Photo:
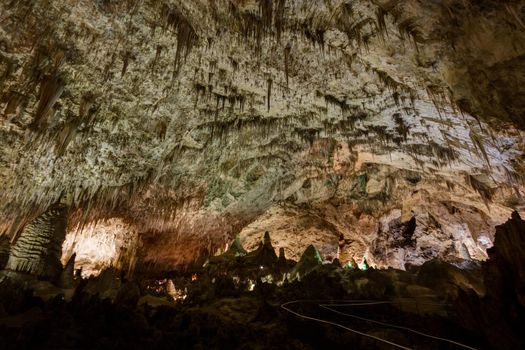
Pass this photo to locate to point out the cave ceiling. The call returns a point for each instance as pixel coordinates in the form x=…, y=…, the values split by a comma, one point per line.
x=193, y=121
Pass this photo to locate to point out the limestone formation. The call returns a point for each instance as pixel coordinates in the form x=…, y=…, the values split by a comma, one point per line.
x=39, y=248
x=309, y=260
x=236, y=249
x=264, y=255
x=380, y=142
x=506, y=268
x=191, y=121
x=504, y=300
x=67, y=276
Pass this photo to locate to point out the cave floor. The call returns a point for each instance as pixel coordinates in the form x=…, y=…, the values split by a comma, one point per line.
x=314, y=313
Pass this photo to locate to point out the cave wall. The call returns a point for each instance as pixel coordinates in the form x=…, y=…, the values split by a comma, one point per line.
x=193, y=121
x=409, y=230
x=101, y=245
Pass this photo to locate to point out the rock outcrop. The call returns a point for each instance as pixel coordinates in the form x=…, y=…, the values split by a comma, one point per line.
x=501, y=312
x=39, y=248
x=505, y=271
x=309, y=261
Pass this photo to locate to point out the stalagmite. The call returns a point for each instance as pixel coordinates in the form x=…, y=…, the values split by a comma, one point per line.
x=38, y=249
x=309, y=261
x=67, y=275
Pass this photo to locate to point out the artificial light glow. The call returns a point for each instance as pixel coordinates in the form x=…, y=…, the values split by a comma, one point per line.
x=98, y=246
x=267, y=279
x=175, y=293
x=251, y=285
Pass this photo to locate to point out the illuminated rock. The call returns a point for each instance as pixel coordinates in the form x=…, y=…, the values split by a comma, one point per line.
x=101, y=245
x=309, y=261
x=222, y=121
x=38, y=249
x=236, y=248
x=264, y=255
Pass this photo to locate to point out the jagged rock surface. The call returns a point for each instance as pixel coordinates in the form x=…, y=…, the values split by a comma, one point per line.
x=39, y=248
x=189, y=120
x=505, y=290
x=309, y=261
x=101, y=245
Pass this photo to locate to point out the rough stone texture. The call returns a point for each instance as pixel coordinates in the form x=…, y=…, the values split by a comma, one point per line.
x=309, y=261
x=38, y=249
x=506, y=268
x=191, y=119
x=98, y=246
x=504, y=300
x=5, y=246
x=447, y=225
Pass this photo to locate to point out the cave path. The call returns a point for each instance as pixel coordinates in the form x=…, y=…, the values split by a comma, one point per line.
x=329, y=304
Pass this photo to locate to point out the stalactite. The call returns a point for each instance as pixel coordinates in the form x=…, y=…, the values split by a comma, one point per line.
x=279, y=18
x=381, y=23
x=481, y=188
x=514, y=13
x=125, y=62
x=266, y=14
x=408, y=28
x=401, y=127
x=86, y=107
x=353, y=27
x=157, y=56
x=186, y=35
x=107, y=69
x=65, y=136
x=476, y=140
x=16, y=103
x=307, y=135
x=316, y=36
x=287, y=52
x=395, y=87
x=50, y=90
x=332, y=100
x=269, y=94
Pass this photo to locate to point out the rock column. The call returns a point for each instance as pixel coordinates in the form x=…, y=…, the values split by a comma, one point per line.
x=38, y=249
